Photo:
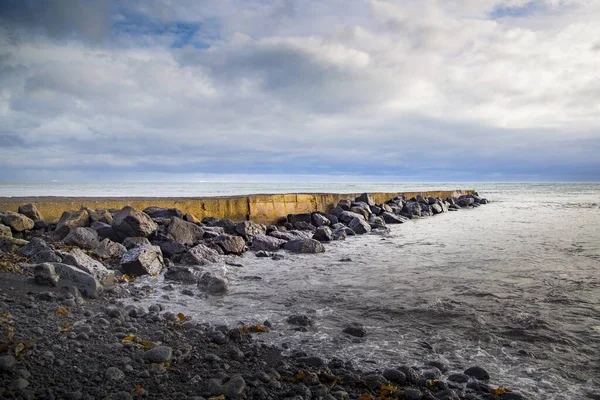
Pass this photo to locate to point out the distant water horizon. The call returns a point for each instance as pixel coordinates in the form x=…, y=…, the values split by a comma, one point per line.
x=231, y=188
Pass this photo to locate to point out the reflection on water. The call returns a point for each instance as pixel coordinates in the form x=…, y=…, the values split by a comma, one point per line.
x=513, y=286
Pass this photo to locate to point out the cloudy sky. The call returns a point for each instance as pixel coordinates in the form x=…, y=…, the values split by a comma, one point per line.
x=433, y=90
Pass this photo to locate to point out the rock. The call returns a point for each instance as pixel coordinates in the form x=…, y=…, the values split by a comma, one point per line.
x=100, y=216
x=5, y=231
x=162, y=212
x=347, y=216
x=183, y=274
x=478, y=373
x=365, y=198
x=304, y=226
x=294, y=218
x=233, y=388
x=411, y=374
x=158, y=355
x=130, y=222
x=390, y=218
x=320, y=220
x=30, y=211
x=266, y=243
x=85, y=238
x=184, y=232
x=412, y=208
x=7, y=363
x=108, y=249
x=17, y=222
x=114, y=374
x=70, y=220
x=412, y=394
x=465, y=201
x=344, y=204
x=359, y=226
x=213, y=284
x=263, y=253
x=458, y=378
x=364, y=211
x=34, y=246
x=248, y=229
x=304, y=246
x=9, y=244
x=300, y=320
x=142, y=260
x=77, y=258
x=104, y=231
x=169, y=247
x=73, y=276
x=357, y=330
x=133, y=242
x=340, y=234
x=286, y=236
x=436, y=208
x=323, y=234
x=311, y=361
x=19, y=384
x=199, y=255
x=394, y=376
x=230, y=244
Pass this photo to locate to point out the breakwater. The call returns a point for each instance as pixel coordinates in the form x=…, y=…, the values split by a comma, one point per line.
x=262, y=208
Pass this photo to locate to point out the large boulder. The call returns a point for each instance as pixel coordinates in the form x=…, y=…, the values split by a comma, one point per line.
x=340, y=233
x=142, y=260
x=294, y=218
x=39, y=252
x=100, y=216
x=70, y=220
x=306, y=246
x=135, y=241
x=319, y=219
x=130, y=222
x=77, y=258
x=162, y=212
x=347, y=216
x=45, y=275
x=364, y=211
x=30, y=211
x=184, y=232
x=17, y=222
x=168, y=245
x=104, y=231
x=291, y=235
x=323, y=234
x=412, y=208
x=436, y=208
x=230, y=244
x=266, y=243
x=344, y=204
x=359, y=226
x=465, y=201
x=248, y=229
x=85, y=238
x=200, y=255
x=107, y=249
x=213, y=284
x=390, y=218
x=183, y=274
x=5, y=231
x=73, y=276
x=365, y=198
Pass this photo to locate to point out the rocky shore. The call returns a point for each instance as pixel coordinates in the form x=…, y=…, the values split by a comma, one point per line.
x=67, y=333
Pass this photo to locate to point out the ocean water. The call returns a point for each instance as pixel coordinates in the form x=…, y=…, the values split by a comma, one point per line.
x=513, y=286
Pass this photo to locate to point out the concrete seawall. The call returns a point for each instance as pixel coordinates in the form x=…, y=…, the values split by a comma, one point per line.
x=263, y=208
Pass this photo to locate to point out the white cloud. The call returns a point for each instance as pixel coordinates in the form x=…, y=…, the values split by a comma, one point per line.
x=378, y=81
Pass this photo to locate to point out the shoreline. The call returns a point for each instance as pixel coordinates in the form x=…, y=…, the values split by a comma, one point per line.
x=123, y=351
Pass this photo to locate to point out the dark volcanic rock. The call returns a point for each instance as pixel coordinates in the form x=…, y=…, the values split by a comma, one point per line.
x=300, y=320
x=294, y=218
x=162, y=212
x=199, y=255
x=390, y=218
x=85, y=238
x=365, y=198
x=319, y=219
x=359, y=226
x=248, y=229
x=104, y=231
x=266, y=243
x=130, y=222
x=230, y=244
x=183, y=274
x=169, y=246
x=477, y=373
x=30, y=211
x=308, y=246
x=133, y=242
x=184, y=232
x=357, y=330
x=323, y=234
x=347, y=216
x=77, y=258
x=213, y=284
x=142, y=260
x=5, y=230
x=108, y=249
x=73, y=276
x=70, y=220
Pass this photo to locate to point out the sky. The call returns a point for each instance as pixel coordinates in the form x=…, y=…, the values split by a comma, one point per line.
x=428, y=90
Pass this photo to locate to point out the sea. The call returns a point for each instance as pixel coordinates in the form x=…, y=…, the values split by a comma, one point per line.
x=512, y=286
